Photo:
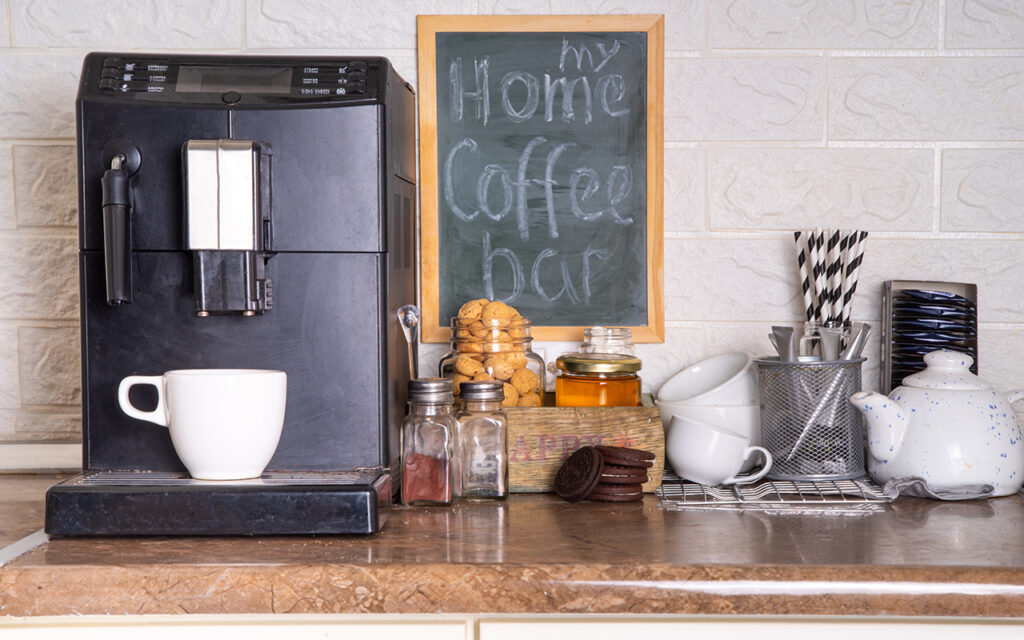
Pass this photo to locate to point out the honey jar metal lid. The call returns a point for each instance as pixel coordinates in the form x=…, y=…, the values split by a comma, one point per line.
x=598, y=363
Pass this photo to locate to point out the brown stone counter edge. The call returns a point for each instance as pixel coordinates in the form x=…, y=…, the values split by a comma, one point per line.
x=487, y=588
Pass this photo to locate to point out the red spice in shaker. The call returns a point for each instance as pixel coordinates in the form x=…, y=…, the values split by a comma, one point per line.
x=425, y=479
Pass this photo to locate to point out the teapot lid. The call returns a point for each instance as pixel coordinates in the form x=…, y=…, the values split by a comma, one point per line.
x=947, y=370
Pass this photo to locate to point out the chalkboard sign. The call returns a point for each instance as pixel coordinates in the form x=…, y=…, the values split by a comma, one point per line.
x=541, y=174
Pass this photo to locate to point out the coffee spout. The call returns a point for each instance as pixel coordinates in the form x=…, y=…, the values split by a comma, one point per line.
x=227, y=220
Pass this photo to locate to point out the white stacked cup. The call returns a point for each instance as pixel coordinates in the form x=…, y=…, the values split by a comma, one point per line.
x=717, y=394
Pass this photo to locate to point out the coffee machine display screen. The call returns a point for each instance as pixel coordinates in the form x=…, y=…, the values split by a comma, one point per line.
x=205, y=79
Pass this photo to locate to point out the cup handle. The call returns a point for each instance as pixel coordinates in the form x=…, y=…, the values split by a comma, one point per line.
x=156, y=416
x=748, y=478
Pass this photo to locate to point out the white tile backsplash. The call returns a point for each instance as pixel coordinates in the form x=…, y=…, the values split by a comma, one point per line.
x=886, y=115
x=989, y=24
x=999, y=358
x=38, y=96
x=684, y=190
x=5, y=29
x=46, y=185
x=943, y=98
x=51, y=424
x=684, y=19
x=126, y=24
x=743, y=98
x=10, y=390
x=353, y=24
x=717, y=279
x=40, y=277
x=983, y=190
x=8, y=217
x=789, y=189
x=886, y=24
x=49, y=362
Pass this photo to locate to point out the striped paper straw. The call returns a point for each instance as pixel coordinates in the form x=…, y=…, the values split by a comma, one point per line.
x=805, y=275
x=833, y=269
x=838, y=276
x=824, y=303
x=856, y=257
x=816, y=271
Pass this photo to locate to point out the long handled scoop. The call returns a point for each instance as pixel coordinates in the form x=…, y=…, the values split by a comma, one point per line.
x=409, y=318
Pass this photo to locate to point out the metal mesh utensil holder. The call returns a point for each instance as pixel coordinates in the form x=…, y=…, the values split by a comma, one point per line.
x=807, y=422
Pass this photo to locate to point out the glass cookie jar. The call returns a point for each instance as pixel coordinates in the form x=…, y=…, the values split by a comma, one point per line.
x=608, y=340
x=496, y=349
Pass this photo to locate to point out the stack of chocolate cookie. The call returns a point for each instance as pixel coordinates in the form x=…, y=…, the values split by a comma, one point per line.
x=608, y=474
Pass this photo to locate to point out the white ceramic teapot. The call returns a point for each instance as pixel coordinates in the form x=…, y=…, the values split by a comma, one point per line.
x=946, y=426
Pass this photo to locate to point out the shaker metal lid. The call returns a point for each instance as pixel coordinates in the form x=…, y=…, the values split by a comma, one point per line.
x=482, y=390
x=598, y=363
x=430, y=390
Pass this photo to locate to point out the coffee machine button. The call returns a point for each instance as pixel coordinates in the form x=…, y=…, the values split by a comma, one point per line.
x=231, y=97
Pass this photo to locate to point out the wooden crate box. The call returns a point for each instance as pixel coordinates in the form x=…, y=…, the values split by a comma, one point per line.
x=541, y=438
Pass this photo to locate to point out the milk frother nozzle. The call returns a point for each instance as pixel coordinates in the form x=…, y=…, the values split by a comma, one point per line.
x=117, y=229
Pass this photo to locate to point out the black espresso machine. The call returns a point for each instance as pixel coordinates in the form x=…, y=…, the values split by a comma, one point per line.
x=243, y=212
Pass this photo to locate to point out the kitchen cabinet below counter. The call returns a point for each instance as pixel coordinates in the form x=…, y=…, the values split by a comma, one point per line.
x=539, y=554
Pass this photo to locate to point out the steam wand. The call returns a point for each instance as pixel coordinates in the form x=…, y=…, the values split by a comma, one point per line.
x=117, y=232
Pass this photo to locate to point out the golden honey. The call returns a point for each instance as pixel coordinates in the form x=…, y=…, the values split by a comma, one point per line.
x=597, y=380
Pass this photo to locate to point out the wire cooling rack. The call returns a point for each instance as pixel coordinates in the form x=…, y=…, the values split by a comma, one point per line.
x=827, y=497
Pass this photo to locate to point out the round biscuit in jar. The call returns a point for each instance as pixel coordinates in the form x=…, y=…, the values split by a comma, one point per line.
x=511, y=395
x=497, y=309
x=469, y=346
x=499, y=367
x=473, y=308
x=468, y=365
x=525, y=381
x=529, y=400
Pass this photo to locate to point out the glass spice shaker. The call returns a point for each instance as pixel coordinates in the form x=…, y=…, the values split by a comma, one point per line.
x=482, y=434
x=430, y=461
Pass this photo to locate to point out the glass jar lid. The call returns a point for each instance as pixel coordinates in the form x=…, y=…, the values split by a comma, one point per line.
x=598, y=363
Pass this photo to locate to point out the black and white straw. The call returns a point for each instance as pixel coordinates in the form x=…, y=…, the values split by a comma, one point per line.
x=829, y=263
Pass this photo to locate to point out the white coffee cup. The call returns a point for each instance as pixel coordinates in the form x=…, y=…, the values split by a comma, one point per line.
x=744, y=419
x=710, y=455
x=225, y=424
x=728, y=379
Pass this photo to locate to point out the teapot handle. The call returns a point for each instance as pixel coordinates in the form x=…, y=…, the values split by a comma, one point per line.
x=1014, y=395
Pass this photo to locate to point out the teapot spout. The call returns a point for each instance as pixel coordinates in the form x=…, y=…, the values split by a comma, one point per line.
x=886, y=423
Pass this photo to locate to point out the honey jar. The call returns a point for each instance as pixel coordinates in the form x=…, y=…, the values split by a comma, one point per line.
x=597, y=380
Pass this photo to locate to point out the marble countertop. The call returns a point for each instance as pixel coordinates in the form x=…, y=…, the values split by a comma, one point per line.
x=537, y=553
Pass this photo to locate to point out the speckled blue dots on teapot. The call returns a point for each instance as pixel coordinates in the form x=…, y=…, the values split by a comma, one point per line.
x=945, y=426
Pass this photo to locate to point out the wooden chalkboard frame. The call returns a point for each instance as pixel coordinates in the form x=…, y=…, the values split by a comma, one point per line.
x=427, y=28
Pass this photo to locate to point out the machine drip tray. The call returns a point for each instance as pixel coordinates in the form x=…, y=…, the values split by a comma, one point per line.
x=141, y=503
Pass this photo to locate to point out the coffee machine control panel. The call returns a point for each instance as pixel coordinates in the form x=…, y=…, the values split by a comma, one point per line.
x=235, y=80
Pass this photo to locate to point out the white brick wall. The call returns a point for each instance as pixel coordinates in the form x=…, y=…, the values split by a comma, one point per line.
x=903, y=117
